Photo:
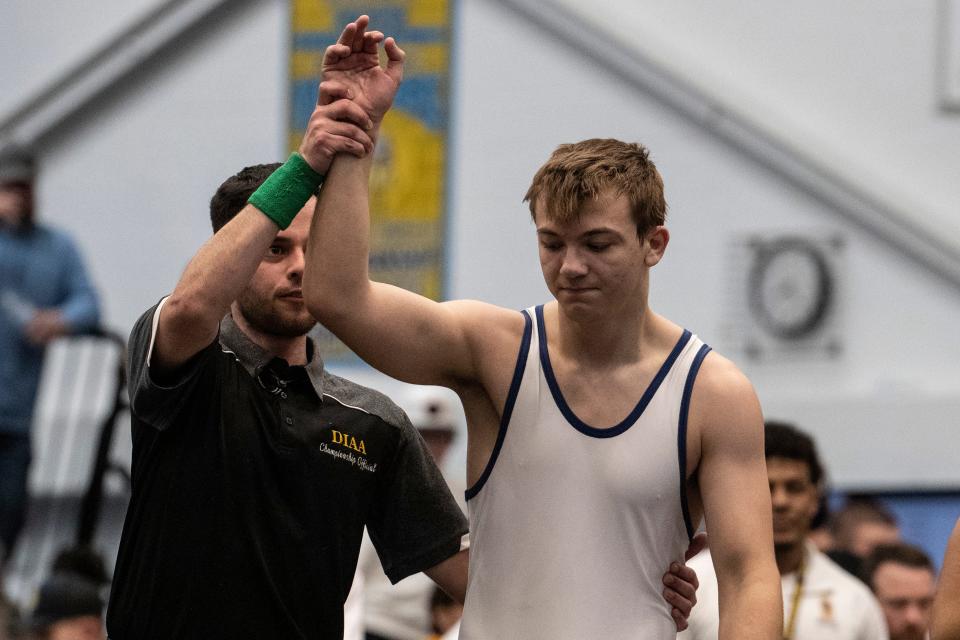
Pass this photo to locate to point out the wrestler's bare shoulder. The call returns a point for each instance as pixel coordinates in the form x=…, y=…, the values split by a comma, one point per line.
x=723, y=397
x=493, y=334
x=486, y=324
x=720, y=375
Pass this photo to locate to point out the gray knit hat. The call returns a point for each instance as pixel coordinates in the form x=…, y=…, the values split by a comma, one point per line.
x=17, y=164
x=64, y=596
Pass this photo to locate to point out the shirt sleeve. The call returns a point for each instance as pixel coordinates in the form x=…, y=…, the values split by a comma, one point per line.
x=416, y=523
x=80, y=307
x=159, y=405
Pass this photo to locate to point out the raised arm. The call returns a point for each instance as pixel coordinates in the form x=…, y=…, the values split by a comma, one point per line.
x=224, y=265
x=401, y=333
x=945, y=624
x=736, y=501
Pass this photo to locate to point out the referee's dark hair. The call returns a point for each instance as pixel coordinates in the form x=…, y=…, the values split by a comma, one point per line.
x=783, y=440
x=233, y=194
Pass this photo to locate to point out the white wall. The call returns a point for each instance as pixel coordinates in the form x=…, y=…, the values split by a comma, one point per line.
x=853, y=83
x=133, y=181
x=42, y=38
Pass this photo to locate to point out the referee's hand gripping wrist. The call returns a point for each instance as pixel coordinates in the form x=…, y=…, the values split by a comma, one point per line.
x=338, y=125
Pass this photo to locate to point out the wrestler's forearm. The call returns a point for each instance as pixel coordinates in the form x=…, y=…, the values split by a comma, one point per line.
x=752, y=610
x=338, y=253
x=403, y=334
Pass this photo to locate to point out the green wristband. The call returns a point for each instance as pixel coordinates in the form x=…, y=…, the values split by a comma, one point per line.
x=284, y=193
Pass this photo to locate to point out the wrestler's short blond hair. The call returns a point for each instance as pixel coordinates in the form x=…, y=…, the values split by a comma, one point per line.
x=591, y=168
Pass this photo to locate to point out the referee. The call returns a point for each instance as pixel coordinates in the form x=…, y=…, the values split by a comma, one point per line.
x=254, y=469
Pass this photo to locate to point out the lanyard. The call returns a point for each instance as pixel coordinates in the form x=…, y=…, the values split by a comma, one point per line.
x=791, y=621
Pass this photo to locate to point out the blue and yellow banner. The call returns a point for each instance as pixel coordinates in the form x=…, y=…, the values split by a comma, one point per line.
x=408, y=180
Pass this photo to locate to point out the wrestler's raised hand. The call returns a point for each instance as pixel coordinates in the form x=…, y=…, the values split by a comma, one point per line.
x=353, y=62
x=337, y=124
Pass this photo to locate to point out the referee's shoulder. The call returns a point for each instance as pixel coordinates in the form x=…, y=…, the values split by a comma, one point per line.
x=354, y=395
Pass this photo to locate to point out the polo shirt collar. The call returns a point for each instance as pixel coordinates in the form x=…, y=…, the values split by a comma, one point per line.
x=255, y=358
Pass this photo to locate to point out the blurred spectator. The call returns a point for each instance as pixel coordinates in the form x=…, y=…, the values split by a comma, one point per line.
x=402, y=611
x=453, y=633
x=904, y=580
x=69, y=607
x=862, y=524
x=445, y=614
x=8, y=619
x=820, y=534
x=44, y=294
x=821, y=601
x=435, y=412
x=946, y=606
x=83, y=562
x=353, y=605
x=859, y=526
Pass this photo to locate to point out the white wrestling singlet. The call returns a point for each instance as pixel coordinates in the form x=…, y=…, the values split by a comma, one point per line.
x=572, y=527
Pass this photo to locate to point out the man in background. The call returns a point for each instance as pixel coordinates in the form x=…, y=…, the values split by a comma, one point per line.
x=44, y=294
x=856, y=528
x=904, y=580
x=821, y=601
x=402, y=611
x=69, y=607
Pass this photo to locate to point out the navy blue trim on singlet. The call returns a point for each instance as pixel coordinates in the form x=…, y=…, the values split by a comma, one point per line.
x=682, y=434
x=507, y=406
x=626, y=423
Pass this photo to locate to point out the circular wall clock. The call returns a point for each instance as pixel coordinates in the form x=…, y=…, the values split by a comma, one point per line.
x=791, y=287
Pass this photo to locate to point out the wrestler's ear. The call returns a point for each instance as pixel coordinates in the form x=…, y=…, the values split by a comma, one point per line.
x=655, y=244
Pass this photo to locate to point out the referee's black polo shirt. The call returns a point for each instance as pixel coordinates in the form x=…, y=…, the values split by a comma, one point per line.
x=252, y=482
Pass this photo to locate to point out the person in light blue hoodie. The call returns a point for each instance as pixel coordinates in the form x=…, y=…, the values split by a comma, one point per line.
x=45, y=293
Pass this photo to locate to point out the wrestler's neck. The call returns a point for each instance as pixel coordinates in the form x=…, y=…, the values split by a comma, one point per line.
x=599, y=336
x=790, y=557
